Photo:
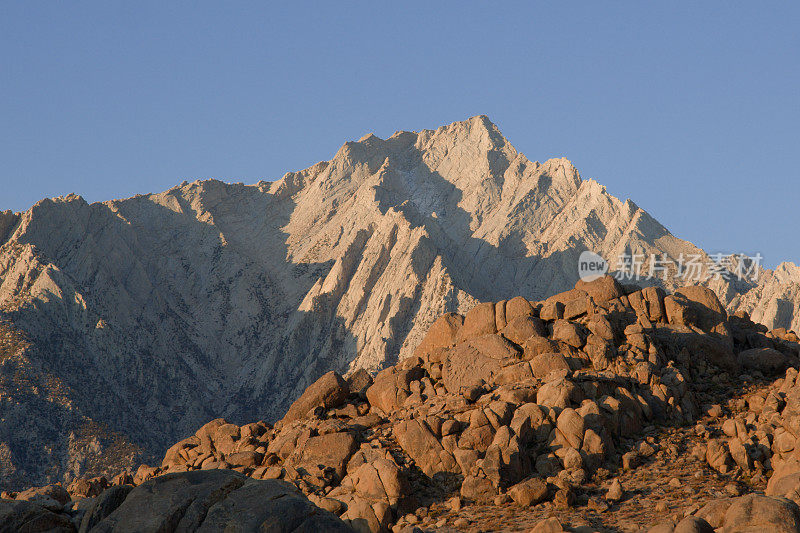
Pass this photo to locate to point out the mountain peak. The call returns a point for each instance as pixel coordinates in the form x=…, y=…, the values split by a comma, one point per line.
x=230, y=300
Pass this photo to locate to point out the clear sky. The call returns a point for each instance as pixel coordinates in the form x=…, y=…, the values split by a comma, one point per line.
x=689, y=108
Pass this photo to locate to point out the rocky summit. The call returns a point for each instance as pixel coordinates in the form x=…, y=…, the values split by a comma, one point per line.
x=127, y=324
x=601, y=408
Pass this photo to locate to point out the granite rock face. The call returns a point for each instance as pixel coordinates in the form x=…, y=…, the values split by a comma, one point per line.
x=126, y=324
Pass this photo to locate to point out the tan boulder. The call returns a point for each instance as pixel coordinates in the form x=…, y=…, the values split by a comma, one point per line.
x=478, y=489
x=87, y=488
x=785, y=479
x=515, y=373
x=250, y=459
x=570, y=333
x=172, y=455
x=441, y=334
x=364, y=516
x=380, y=480
x=330, y=390
x=654, y=303
x=54, y=492
x=551, y=310
x=523, y=328
x=697, y=306
x=480, y=320
x=467, y=367
x=331, y=450
x=601, y=289
x=528, y=492
x=542, y=365
x=577, y=307
x=494, y=346
x=548, y=525
x=538, y=345
x=500, y=315
x=571, y=425
x=421, y=444
x=754, y=512
x=560, y=393
x=518, y=307
x=391, y=388
x=531, y=423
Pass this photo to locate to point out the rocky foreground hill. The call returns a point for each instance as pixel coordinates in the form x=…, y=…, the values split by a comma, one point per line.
x=602, y=408
x=125, y=325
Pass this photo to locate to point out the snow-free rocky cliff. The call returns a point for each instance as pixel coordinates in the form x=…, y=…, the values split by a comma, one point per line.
x=127, y=324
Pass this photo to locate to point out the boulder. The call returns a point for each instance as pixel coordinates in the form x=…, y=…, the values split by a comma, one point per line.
x=25, y=516
x=653, y=300
x=424, y=448
x=697, y=306
x=615, y=492
x=478, y=489
x=548, y=525
x=768, y=361
x=391, y=388
x=216, y=500
x=494, y=346
x=359, y=381
x=551, y=310
x=441, y=334
x=569, y=332
x=380, y=480
x=754, y=513
x=542, y=365
x=714, y=512
x=571, y=426
x=601, y=289
x=538, y=345
x=518, y=307
x=693, y=524
x=559, y=393
x=331, y=450
x=523, y=328
x=105, y=504
x=247, y=459
x=54, y=492
x=87, y=488
x=173, y=453
x=364, y=516
x=467, y=367
x=785, y=479
x=328, y=391
x=528, y=492
x=480, y=320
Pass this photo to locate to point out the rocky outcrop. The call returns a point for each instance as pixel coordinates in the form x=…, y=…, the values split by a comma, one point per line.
x=552, y=420
x=141, y=319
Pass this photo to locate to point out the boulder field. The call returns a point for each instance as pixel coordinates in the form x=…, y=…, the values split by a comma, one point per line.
x=603, y=408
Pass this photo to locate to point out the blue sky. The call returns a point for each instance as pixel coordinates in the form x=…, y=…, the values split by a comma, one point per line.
x=690, y=109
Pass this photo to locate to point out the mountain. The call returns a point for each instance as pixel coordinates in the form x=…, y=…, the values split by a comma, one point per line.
x=127, y=324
